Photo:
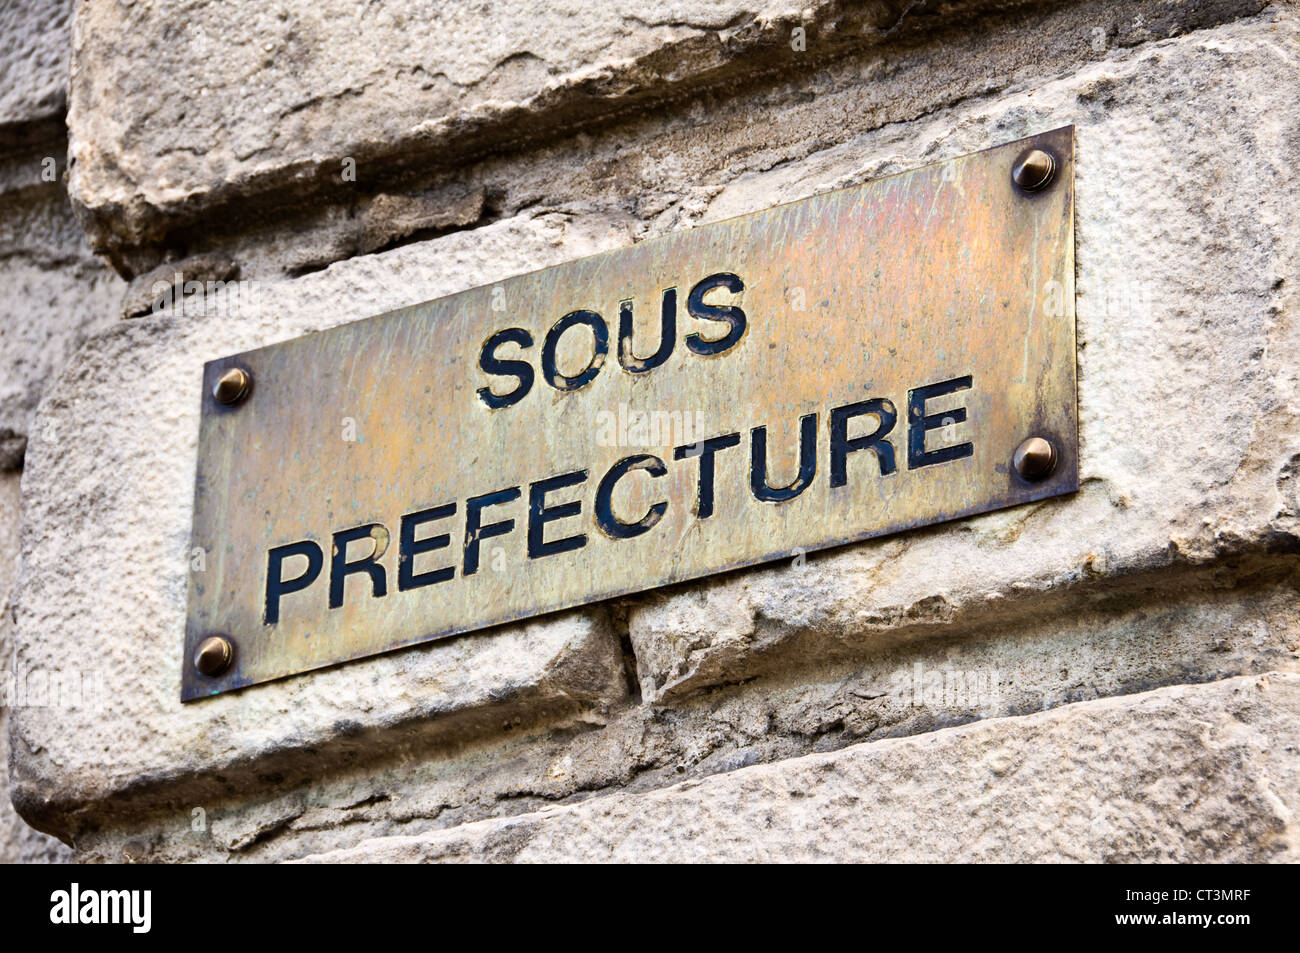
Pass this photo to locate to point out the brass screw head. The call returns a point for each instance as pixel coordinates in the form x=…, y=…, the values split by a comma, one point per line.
x=1034, y=170
x=214, y=656
x=232, y=386
x=1035, y=459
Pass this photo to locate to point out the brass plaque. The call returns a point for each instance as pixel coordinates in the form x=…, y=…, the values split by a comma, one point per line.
x=853, y=364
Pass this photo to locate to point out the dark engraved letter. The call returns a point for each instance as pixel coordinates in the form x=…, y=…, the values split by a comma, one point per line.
x=842, y=446
x=539, y=515
x=410, y=547
x=600, y=346
x=492, y=364
x=340, y=568
x=807, y=463
x=610, y=524
x=918, y=424
x=475, y=533
x=705, y=450
x=727, y=314
x=277, y=586
x=667, y=335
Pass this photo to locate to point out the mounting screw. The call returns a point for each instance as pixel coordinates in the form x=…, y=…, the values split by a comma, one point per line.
x=214, y=656
x=233, y=386
x=1033, y=170
x=1035, y=459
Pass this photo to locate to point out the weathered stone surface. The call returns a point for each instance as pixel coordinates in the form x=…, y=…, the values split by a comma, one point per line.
x=250, y=115
x=1191, y=774
x=53, y=291
x=33, y=67
x=1206, y=631
x=19, y=843
x=9, y=523
x=162, y=286
x=1189, y=344
x=118, y=510
x=108, y=525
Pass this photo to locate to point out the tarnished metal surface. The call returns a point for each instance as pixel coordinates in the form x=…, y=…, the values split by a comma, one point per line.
x=359, y=460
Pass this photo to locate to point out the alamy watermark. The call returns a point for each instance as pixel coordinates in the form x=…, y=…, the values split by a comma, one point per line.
x=210, y=297
x=127, y=907
x=53, y=688
x=626, y=427
x=962, y=688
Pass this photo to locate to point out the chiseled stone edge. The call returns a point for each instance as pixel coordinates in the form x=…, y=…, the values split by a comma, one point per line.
x=129, y=215
x=1188, y=773
x=703, y=60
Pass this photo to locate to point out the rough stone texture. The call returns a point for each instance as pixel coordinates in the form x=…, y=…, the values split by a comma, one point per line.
x=1175, y=563
x=53, y=291
x=250, y=109
x=33, y=67
x=9, y=523
x=19, y=843
x=1210, y=631
x=129, y=406
x=1190, y=774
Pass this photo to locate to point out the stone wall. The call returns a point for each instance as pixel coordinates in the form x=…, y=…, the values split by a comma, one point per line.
x=54, y=293
x=1106, y=676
